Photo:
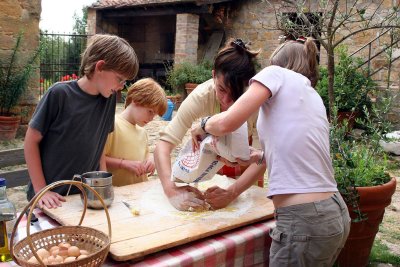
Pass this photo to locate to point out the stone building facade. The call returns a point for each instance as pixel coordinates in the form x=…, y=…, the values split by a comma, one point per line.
x=164, y=31
x=17, y=16
x=193, y=22
x=160, y=35
x=250, y=20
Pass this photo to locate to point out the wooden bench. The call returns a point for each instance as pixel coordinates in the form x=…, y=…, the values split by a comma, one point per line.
x=14, y=157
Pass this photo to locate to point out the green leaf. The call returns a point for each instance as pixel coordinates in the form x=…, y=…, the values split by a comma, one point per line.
x=14, y=77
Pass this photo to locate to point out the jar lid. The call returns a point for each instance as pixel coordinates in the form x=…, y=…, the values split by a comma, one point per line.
x=2, y=181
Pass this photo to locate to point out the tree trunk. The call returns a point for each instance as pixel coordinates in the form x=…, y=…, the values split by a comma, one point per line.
x=331, y=80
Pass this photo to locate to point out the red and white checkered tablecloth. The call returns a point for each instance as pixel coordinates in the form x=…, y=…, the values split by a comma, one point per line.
x=245, y=246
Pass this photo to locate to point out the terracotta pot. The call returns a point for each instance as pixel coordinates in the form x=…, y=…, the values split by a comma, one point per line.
x=189, y=87
x=373, y=201
x=8, y=127
x=350, y=116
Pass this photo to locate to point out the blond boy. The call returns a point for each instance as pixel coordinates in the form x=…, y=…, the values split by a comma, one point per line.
x=126, y=150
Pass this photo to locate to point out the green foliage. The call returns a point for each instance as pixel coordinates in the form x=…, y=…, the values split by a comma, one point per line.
x=358, y=162
x=61, y=53
x=351, y=86
x=14, y=77
x=361, y=163
x=376, y=121
x=80, y=24
x=60, y=56
x=189, y=73
x=171, y=93
x=381, y=253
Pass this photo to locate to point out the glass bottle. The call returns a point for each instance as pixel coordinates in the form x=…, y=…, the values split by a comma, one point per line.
x=7, y=213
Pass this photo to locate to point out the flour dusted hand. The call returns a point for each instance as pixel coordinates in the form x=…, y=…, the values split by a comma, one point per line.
x=218, y=197
x=202, y=164
x=187, y=198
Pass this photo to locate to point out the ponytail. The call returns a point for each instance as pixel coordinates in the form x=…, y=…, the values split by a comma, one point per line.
x=311, y=51
x=299, y=56
x=243, y=47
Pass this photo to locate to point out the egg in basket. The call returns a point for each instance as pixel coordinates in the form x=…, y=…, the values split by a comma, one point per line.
x=64, y=245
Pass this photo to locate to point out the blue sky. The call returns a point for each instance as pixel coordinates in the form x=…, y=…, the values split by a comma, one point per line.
x=57, y=15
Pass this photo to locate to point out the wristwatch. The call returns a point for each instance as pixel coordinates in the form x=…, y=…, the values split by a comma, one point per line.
x=203, y=123
x=261, y=160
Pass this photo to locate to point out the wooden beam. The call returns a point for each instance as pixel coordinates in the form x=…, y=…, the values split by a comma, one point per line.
x=213, y=45
x=202, y=2
x=12, y=157
x=16, y=178
x=154, y=11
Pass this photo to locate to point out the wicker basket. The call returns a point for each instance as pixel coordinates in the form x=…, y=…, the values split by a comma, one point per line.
x=94, y=241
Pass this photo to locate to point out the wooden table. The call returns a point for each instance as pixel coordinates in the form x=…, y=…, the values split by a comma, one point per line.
x=244, y=246
x=159, y=226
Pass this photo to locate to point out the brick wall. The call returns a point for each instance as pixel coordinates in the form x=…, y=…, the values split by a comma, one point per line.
x=92, y=21
x=186, y=38
x=17, y=16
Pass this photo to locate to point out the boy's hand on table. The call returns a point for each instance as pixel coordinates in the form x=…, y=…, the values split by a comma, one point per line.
x=51, y=200
x=149, y=166
x=137, y=167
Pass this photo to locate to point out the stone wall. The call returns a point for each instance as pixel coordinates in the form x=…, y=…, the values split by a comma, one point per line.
x=92, y=19
x=186, y=39
x=17, y=16
x=252, y=21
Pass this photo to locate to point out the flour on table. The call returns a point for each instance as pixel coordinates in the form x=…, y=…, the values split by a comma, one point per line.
x=155, y=200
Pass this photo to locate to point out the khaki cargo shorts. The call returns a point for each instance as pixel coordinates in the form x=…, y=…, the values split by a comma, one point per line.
x=310, y=234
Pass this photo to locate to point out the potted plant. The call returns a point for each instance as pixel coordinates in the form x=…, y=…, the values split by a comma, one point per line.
x=14, y=79
x=188, y=75
x=351, y=86
x=367, y=188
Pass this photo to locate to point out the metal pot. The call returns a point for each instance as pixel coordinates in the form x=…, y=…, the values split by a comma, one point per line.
x=101, y=182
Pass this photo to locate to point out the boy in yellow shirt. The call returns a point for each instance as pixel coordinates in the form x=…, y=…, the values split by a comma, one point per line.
x=126, y=150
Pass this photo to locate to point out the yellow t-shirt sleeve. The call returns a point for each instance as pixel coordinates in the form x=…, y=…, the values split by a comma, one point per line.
x=200, y=103
x=108, y=145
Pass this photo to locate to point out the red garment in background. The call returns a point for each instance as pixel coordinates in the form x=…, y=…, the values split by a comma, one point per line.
x=235, y=172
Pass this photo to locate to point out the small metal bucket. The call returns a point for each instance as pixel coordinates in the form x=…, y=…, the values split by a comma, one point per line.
x=101, y=182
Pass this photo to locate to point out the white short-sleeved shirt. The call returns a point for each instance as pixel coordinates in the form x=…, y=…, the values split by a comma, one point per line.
x=294, y=132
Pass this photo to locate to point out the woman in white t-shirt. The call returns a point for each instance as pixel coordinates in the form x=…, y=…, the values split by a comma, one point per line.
x=312, y=219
